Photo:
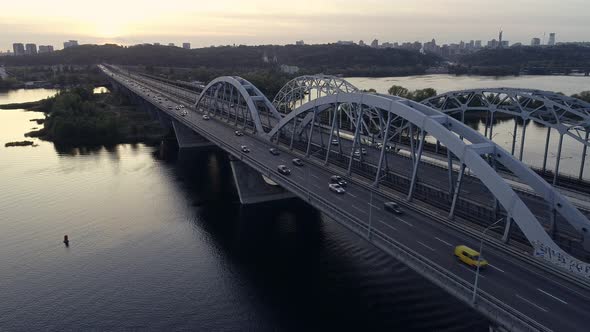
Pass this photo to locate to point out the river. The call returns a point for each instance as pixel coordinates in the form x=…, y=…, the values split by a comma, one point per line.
x=163, y=244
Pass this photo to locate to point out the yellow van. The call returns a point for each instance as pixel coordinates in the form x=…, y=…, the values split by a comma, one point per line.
x=469, y=256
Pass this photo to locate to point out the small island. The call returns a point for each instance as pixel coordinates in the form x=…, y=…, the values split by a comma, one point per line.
x=77, y=117
x=19, y=143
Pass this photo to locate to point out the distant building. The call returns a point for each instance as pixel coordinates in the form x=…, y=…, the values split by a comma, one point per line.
x=362, y=43
x=45, y=49
x=18, y=49
x=505, y=43
x=536, y=42
x=387, y=45
x=478, y=44
x=345, y=42
x=300, y=43
x=171, y=45
x=493, y=43
x=186, y=46
x=156, y=44
x=375, y=43
x=551, y=41
x=70, y=43
x=30, y=49
x=289, y=69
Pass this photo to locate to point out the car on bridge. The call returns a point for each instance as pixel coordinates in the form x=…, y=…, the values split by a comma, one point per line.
x=335, y=187
x=238, y=133
x=184, y=113
x=470, y=256
x=297, y=162
x=206, y=117
x=274, y=151
x=392, y=207
x=245, y=149
x=284, y=170
x=337, y=179
x=335, y=141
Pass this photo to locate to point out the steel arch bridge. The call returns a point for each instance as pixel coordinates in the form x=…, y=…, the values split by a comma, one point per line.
x=235, y=98
x=566, y=115
x=301, y=90
x=386, y=118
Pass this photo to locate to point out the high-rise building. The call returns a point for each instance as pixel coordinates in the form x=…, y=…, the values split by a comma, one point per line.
x=551, y=41
x=536, y=42
x=45, y=49
x=186, y=46
x=30, y=49
x=70, y=43
x=375, y=43
x=362, y=43
x=18, y=49
x=478, y=44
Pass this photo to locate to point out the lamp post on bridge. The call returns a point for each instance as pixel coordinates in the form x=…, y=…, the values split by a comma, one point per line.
x=479, y=258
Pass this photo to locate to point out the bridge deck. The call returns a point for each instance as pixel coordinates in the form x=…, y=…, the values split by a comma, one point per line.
x=551, y=302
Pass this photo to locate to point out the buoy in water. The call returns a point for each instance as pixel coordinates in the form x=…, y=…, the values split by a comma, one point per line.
x=66, y=240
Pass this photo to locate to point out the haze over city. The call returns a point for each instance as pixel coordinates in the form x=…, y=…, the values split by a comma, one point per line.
x=205, y=23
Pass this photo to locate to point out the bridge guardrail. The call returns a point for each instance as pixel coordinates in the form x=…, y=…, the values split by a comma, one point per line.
x=490, y=306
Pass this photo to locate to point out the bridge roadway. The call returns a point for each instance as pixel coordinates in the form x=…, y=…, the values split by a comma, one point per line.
x=552, y=303
x=471, y=186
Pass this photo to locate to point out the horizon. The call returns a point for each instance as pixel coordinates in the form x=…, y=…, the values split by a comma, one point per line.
x=228, y=22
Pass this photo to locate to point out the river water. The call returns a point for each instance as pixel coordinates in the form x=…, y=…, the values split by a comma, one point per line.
x=535, y=135
x=163, y=244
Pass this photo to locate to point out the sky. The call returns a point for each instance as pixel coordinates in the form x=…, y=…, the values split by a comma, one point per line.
x=254, y=22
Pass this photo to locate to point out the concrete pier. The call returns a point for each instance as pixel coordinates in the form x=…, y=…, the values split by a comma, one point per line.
x=252, y=187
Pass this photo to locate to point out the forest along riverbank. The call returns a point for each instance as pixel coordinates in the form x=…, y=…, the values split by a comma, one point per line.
x=80, y=117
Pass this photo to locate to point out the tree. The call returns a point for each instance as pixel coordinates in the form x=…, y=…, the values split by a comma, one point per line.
x=584, y=95
x=422, y=94
x=397, y=90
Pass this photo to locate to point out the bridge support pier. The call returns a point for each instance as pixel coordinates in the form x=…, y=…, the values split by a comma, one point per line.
x=253, y=187
x=187, y=138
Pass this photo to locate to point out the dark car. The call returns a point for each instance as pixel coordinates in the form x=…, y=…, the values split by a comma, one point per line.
x=284, y=170
x=274, y=151
x=392, y=207
x=245, y=149
x=338, y=179
x=297, y=162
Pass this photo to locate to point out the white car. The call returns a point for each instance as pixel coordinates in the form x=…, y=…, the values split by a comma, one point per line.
x=206, y=117
x=336, y=188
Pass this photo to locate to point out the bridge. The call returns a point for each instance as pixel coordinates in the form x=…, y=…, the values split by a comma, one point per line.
x=537, y=279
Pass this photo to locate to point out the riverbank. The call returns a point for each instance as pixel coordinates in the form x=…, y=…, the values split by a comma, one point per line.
x=29, y=106
x=79, y=117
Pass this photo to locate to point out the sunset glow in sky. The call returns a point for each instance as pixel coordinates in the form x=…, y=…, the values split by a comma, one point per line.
x=216, y=22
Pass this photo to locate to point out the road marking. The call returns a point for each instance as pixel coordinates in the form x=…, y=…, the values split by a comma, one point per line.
x=553, y=296
x=531, y=303
x=443, y=241
x=386, y=224
x=425, y=245
x=405, y=222
x=497, y=268
x=472, y=270
x=362, y=211
x=375, y=207
x=352, y=195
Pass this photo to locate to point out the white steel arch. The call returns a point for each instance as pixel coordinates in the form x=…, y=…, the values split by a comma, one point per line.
x=568, y=116
x=246, y=93
x=472, y=149
x=300, y=90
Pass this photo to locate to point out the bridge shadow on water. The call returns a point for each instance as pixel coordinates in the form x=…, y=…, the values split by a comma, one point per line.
x=303, y=272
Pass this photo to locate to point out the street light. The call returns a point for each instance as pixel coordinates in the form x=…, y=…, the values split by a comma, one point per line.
x=479, y=258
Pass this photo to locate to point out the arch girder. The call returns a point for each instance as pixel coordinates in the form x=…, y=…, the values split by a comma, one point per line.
x=470, y=151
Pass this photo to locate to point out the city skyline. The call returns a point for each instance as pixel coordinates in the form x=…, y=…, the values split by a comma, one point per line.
x=229, y=22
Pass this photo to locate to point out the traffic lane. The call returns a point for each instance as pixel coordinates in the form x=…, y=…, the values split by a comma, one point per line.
x=353, y=209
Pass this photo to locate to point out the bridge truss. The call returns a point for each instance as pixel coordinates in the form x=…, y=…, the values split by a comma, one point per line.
x=565, y=115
